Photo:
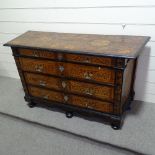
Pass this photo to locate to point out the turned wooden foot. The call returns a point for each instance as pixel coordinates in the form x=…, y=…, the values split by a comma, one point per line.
x=116, y=123
x=69, y=114
x=31, y=104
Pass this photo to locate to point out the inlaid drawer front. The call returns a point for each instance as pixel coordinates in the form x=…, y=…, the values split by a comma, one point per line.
x=91, y=104
x=37, y=53
x=46, y=94
x=39, y=66
x=90, y=59
x=99, y=74
x=102, y=92
x=44, y=81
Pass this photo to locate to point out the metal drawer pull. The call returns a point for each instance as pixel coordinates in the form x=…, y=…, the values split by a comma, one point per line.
x=88, y=91
x=61, y=68
x=35, y=54
x=88, y=75
x=64, y=84
x=42, y=83
x=90, y=107
x=66, y=98
x=38, y=68
x=45, y=96
x=60, y=56
x=87, y=60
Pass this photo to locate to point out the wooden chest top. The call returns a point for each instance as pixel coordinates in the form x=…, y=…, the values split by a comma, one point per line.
x=89, y=44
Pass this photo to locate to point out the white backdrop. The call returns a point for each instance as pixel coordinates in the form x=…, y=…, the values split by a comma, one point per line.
x=130, y=17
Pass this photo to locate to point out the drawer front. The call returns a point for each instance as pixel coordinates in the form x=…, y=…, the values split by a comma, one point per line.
x=43, y=81
x=37, y=53
x=71, y=99
x=102, y=92
x=45, y=94
x=90, y=59
x=91, y=104
x=40, y=66
x=99, y=74
x=105, y=61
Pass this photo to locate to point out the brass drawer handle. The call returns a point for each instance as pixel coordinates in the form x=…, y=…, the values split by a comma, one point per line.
x=45, y=96
x=60, y=57
x=87, y=60
x=42, y=83
x=64, y=84
x=38, y=68
x=90, y=107
x=61, y=68
x=88, y=75
x=66, y=98
x=35, y=54
x=89, y=91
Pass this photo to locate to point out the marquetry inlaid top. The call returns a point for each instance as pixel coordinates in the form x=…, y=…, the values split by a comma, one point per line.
x=104, y=45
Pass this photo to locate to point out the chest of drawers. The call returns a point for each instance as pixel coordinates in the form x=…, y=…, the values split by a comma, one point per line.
x=89, y=74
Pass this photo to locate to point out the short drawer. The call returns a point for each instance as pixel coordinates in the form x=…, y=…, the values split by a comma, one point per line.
x=91, y=104
x=45, y=94
x=43, y=81
x=99, y=91
x=105, y=61
x=71, y=86
x=39, y=66
x=37, y=53
x=71, y=99
x=91, y=73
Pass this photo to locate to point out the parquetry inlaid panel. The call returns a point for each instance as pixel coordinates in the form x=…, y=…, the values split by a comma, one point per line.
x=45, y=94
x=91, y=104
x=124, y=46
x=99, y=74
x=90, y=59
x=100, y=91
x=43, y=81
x=37, y=53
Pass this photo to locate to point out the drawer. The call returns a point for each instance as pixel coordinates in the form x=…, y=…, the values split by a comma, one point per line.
x=70, y=99
x=43, y=81
x=37, y=53
x=45, y=94
x=99, y=91
x=102, y=92
x=104, y=61
x=99, y=74
x=91, y=104
x=90, y=59
x=39, y=66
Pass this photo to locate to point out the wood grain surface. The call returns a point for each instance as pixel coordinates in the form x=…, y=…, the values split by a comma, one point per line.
x=104, y=45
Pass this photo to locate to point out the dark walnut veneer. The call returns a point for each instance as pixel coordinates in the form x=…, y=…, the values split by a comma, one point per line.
x=91, y=74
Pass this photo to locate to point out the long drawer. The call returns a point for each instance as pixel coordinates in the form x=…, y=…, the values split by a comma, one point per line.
x=99, y=91
x=91, y=73
x=79, y=58
x=71, y=99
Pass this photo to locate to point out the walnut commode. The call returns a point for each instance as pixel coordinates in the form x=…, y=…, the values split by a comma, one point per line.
x=84, y=73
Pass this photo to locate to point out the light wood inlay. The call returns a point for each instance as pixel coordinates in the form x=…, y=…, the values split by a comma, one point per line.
x=37, y=53
x=102, y=92
x=99, y=74
x=46, y=94
x=91, y=104
x=42, y=80
x=90, y=59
